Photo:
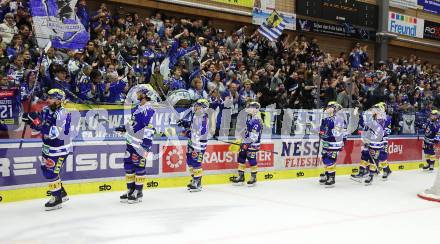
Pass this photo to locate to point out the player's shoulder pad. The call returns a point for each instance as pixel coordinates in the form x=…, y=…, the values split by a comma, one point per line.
x=61, y=112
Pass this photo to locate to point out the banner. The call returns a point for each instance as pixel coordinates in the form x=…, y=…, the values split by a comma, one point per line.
x=404, y=3
x=217, y=157
x=259, y=16
x=431, y=6
x=405, y=25
x=92, y=161
x=432, y=30
x=241, y=3
x=9, y=106
x=299, y=154
x=408, y=124
x=88, y=161
x=343, y=30
x=268, y=5
x=56, y=21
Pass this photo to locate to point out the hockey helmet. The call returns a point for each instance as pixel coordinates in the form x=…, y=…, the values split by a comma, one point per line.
x=335, y=105
x=202, y=102
x=435, y=114
x=146, y=90
x=56, y=94
x=381, y=106
x=253, y=107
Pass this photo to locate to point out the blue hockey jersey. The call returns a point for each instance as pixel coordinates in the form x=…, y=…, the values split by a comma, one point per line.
x=332, y=133
x=197, y=131
x=252, y=134
x=432, y=132
x=140, y=130
x=375, y=129
x=55, y=131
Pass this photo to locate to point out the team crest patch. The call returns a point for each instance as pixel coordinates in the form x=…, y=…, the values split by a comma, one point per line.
x=134, y=157
x=194, y=154
x=49, y=162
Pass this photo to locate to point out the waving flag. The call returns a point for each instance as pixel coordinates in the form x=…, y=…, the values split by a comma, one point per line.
x=55, y=21
x=273, y=27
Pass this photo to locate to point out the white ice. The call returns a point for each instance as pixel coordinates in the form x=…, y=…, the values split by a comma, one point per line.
x=287, y=211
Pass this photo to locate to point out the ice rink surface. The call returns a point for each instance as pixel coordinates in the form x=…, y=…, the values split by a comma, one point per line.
x=286, y=211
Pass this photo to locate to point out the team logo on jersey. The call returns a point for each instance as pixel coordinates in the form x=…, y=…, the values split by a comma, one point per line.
x=194, y=154
x=134, y=157
x=49, y=162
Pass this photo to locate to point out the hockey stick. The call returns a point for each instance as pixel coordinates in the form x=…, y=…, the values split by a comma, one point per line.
x=233, y=143
x=319, y=143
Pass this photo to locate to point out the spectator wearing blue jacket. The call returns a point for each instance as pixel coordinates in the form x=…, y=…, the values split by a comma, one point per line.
x=143, y=69
x=115, y=88
x=176, y=82
x=180, y=49
x=356, y=58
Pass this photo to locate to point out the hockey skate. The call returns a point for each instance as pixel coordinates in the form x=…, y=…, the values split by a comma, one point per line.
x=428, y=168
x=369, y=180
x=135, y=197
x=322, y=179
x=189, y=184
x=54, y=203
x=195, y=186
x=124, y=198
x=252, y=182
x=64, y=196
x=386, y=173
x=359, y=176
x=330, y=182
x=238, y=181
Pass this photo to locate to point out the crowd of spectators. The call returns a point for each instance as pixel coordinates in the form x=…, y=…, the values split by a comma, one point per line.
x=227, y=67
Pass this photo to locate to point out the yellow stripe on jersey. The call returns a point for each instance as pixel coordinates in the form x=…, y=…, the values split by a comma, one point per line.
x=198, y=172
x=129, y=178
x=241, y=167
x=254, y=169
x=55, y=185
x=140, y=179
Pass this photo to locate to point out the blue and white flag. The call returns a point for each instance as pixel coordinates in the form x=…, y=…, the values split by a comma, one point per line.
x=56, y=21
x=273, y=27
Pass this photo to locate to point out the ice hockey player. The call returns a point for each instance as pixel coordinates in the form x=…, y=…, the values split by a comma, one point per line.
x=250, y=144
x=383, y=155
x=196, y=129
x=432, y=137
x=54, y=124
x=332, y=135
x=139, y=135
x=372, y=136
x=384, y=121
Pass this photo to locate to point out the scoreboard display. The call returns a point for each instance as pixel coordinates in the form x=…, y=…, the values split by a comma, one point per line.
x=8, y=107
x=350, y=11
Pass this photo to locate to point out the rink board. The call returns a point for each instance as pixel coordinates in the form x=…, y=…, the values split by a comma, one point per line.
x=97, y=167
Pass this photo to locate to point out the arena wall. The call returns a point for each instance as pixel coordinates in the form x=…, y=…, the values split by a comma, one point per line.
x=96, y=167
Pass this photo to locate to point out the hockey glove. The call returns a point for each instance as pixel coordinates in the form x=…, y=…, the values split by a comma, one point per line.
x=235, y=146
x=244, y=146
x=121, y=129
x=31, y=119
x=146, y=144
x=183, y=123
